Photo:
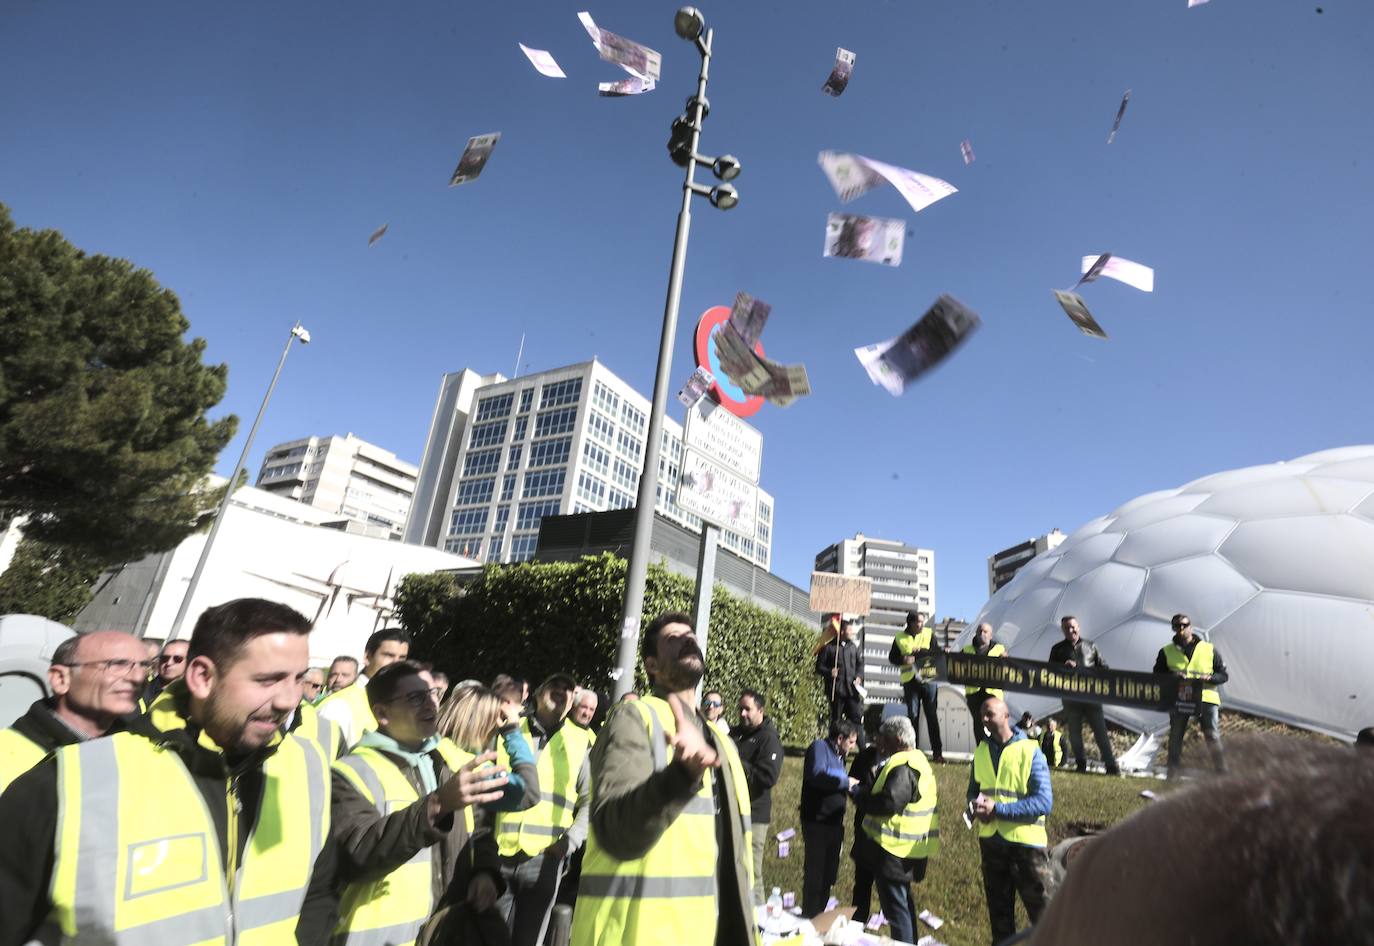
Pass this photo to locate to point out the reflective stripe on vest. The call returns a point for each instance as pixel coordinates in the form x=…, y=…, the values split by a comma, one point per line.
x=996, y=650
x=558, y=765
x=907, y=644
x=669, y=894
x=1010, y=783
x=1200, y=666
x=324, y=732
x=915, y=830
x=138, y=858
x=18, y=754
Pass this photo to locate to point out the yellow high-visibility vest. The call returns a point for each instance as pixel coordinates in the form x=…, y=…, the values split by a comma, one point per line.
x=558, y=765
x=354, y=699
x=669, y=894
x=18, y=754
x=1009, y=783
x=915, y=830
x=313, y=726
x=1200, y=666
x=1056, y=748
x=996, y=650
x=391, y=910
x=138, y=857
x=909, y=643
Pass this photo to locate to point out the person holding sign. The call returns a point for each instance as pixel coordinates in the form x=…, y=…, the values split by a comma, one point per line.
x=908, y=647
x=837, y=663
x=1073, y=651
x=982, y=645
x=1189, y=657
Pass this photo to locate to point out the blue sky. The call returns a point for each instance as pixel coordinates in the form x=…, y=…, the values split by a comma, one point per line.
x=244, y=152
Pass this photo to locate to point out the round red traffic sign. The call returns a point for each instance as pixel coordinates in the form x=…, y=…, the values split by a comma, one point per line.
x=725, y=391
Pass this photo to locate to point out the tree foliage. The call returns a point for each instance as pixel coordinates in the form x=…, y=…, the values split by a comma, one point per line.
x=535, y=618
x=52, y=581
x=104, y=440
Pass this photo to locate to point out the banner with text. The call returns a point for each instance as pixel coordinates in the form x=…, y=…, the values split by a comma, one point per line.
x=1118, y=687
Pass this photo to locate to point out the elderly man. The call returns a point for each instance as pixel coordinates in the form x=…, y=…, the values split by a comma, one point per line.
x=584, y=710
x=900, y=830
x=1010, y=794
x=96, y=679
x=983, y=646
x=1078, y=654
x=312, y=685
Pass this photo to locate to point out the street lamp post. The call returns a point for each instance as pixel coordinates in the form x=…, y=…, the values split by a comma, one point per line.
x=297, y=332
x=682, y=147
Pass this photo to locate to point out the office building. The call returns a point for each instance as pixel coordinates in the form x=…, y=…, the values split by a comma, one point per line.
x=504, y=453
x=1003, y=565
x=903, y=580
x=343, y=476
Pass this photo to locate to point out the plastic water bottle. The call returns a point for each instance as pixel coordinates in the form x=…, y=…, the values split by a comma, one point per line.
x=773, y=912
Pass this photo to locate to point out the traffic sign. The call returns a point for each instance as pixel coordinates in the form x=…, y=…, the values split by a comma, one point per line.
x=724, y=390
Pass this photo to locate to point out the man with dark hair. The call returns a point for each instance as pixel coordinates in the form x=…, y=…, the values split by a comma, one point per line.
x=838, y=665
x=826, y=787
x=760, y=752
x=667, y=858
x=348, y=709
x=864, y=771
x=169, y=667
x=95, y=679
x=1276, y=851
x=982, y=645
x=1189, y=657
x=913, y=642
x=403, y=818
x=1076, y=653
x=342, y=672
x=215, y=736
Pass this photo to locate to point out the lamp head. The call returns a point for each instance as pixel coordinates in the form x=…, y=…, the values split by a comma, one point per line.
x=680, y=141
x=689, y=23
x=724, y=197
x=726, y=167
x=302, y=334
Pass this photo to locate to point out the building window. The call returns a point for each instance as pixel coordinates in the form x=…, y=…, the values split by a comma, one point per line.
x=497, y=405
x=521, y=425
x=526, y=399
x=560, y=421
x=513, y=458
x=765, y=512
x=625, y=475
x=508, y=487
x=601, y=428
x=606, y=399
x=597, y=459
x=543, y=483
x=763, y=532
x=550, y=452
x=484, y=435
x=522, y=547
x=502, y=517
x=616, y=499
x=468, y=548
x=633, y=418
x=494, y=549
x=468, y=522
x=471, y=492
x=483, y=461
x=629, y=445
x=530, y=515
x=560, y=393
x=591, y=488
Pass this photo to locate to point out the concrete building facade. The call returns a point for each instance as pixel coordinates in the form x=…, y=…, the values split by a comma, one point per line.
x=1003, y=565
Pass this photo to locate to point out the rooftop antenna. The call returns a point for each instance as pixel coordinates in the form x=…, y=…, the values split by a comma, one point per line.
x=518, y=355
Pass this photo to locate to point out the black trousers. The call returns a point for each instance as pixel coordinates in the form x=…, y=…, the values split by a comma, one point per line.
x=820, y=864
x=1009, y=869
x=975, y=703
x=1075, y=714
x=852, y=709
x=918, y=696
x=863, y=889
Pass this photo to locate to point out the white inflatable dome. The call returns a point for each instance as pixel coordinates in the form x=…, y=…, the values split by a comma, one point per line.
x=1275, y=565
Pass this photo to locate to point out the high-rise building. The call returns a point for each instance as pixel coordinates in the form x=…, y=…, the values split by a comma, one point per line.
x=903, y=580
x=504, y=453
x=344, y=476
x=1003, y=565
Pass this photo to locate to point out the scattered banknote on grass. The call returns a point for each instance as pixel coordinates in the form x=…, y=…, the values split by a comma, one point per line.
x=1134, y=274
x=853, y=175
x=543, y=61
x=696, y=387
x=897, y=362
x=635, y=58
x=966, y=149
x=839, y=73
x=634, y=85
x=930, y=919
x=377, y=234
x=1120, y=111
x=474, y=158
x=1077, y=310
x=748, y=316
x=874, y=239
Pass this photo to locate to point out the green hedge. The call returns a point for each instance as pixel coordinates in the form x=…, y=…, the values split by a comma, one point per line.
x=535, y=618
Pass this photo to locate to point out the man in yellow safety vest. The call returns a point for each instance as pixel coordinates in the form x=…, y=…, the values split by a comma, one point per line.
x=1189, y=657
x=348, y=708
x=913, y=642
x=204, y=823
x=983, y=646
x=900, y=829
x=1009, y=792
x=668, y=853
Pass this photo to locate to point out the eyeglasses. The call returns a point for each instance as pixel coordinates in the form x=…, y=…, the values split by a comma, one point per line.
x=172, y=659
x=116, y=668
x=419, y=698
x=1182, y=625
x=710, y=703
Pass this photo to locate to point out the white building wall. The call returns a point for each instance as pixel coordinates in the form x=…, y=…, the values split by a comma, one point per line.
x=346, y=476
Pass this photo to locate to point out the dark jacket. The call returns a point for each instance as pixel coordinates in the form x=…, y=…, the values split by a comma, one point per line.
x=372, y=845
x=825, y=784
x=867, y=765
x=898, y=791
x=1219, y=672
x=849, y=668
x=42, y=726
x=28, y=810
x=760, y=752
x=1084, y=655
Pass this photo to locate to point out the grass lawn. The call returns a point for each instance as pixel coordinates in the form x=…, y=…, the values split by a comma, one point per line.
x=953, y=888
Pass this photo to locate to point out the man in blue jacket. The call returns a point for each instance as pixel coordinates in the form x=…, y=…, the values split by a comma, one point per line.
x=826, y=785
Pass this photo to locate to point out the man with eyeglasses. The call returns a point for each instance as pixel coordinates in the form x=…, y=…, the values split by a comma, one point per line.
x=402, y=814
x=96, y=679
x=312, y=684
x=169, y=666
x=1189, y=657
